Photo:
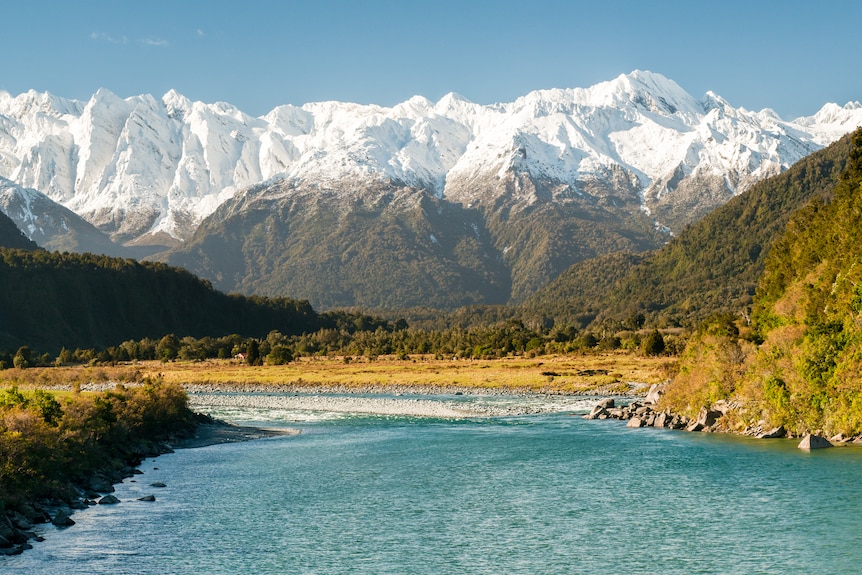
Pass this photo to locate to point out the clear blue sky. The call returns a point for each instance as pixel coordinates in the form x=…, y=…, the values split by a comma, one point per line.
x=792, y=56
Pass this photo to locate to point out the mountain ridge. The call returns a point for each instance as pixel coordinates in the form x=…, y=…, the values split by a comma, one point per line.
x=140, y=166
x=531, y=186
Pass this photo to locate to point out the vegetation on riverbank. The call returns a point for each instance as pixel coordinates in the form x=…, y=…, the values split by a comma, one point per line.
x=799, y=364
x=51, y=443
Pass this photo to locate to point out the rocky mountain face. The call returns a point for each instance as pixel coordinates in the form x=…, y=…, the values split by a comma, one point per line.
x=423, y=203
x=55, y=227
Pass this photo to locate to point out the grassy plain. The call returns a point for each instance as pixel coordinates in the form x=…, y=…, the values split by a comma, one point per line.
x=545, y=374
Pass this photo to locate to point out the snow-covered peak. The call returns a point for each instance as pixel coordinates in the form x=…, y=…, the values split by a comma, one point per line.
x=832, y=121
x=143, y=165
x=648, y=90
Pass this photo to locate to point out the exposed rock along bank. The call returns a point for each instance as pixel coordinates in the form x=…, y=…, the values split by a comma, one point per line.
x=17, y=527
x=645, y=414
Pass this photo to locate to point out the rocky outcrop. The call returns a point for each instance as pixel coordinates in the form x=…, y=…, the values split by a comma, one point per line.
x=645, y=413
x=774, y=433
x=16, y=524
x=638, y=414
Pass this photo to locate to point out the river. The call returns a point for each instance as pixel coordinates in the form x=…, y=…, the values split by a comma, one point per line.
x=547, y=493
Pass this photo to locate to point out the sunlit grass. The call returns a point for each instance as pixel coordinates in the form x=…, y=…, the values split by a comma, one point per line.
x=546, y=374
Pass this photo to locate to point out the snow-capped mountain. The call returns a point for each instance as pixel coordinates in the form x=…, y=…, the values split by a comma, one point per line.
x=53, y=226
x=155, y=168
x=421, y=204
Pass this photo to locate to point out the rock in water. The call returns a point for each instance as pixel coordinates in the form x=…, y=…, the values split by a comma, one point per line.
x=108, y=500
x=147, y=498
x=813, y=442
x=62, y=519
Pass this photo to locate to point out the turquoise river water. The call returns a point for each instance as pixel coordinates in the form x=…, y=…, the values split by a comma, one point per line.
x=538, y=494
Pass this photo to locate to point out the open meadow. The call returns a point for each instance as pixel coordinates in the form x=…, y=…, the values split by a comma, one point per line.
x=617, y=372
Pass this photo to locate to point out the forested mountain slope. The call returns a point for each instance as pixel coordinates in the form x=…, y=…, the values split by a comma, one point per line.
x=51, y=300
x=711, y=267
x=801, y=367
x=12, y=237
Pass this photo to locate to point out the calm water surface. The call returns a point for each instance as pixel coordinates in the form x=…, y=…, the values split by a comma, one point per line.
x=546, y=494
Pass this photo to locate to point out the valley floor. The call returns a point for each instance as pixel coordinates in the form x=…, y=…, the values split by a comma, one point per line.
x=608, y=373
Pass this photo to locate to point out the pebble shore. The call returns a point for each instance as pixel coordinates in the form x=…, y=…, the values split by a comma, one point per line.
x=329, y=402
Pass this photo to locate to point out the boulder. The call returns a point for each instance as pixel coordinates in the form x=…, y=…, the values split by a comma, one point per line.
x=694, y=426
x=108, y=500
x=773, y=433
x=635, y=422
x=596, y=412
x=158, y=484
x=21, y=522
x=661, y=420
x=654, y=394
x=707, y=417
x=607, y=403
x=6, y=529
x=62, y=519
x=147, y=498
x=814, y=442
x=35, y=513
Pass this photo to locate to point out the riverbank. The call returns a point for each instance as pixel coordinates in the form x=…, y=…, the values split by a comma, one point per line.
x=714, y=419
x=219, y=432
x=17, y=526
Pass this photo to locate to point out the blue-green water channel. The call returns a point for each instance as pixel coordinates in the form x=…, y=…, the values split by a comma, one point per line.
x=542, y=494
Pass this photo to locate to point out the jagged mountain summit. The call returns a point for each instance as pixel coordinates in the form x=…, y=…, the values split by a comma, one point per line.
x=508, y=194
x=140, y=166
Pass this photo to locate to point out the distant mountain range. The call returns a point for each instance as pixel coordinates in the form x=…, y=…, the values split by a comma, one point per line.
x=422, y=204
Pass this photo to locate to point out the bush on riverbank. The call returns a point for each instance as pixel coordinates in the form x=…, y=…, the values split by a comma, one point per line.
x=48, y=443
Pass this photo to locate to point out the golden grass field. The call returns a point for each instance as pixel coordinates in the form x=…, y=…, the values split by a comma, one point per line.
x=545, y=374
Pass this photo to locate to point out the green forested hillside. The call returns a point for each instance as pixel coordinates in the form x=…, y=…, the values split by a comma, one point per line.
x=808, y=311
x=802, y=366
x=51, y=300
x=712, y=266
x=392, y=248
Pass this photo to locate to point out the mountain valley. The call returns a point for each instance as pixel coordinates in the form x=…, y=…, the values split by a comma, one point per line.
x=440, y=204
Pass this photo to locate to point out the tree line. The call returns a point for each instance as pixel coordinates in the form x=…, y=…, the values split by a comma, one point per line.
x=488, y=342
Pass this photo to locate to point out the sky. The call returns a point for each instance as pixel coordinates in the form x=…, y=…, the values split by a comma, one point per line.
x=788, y=55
